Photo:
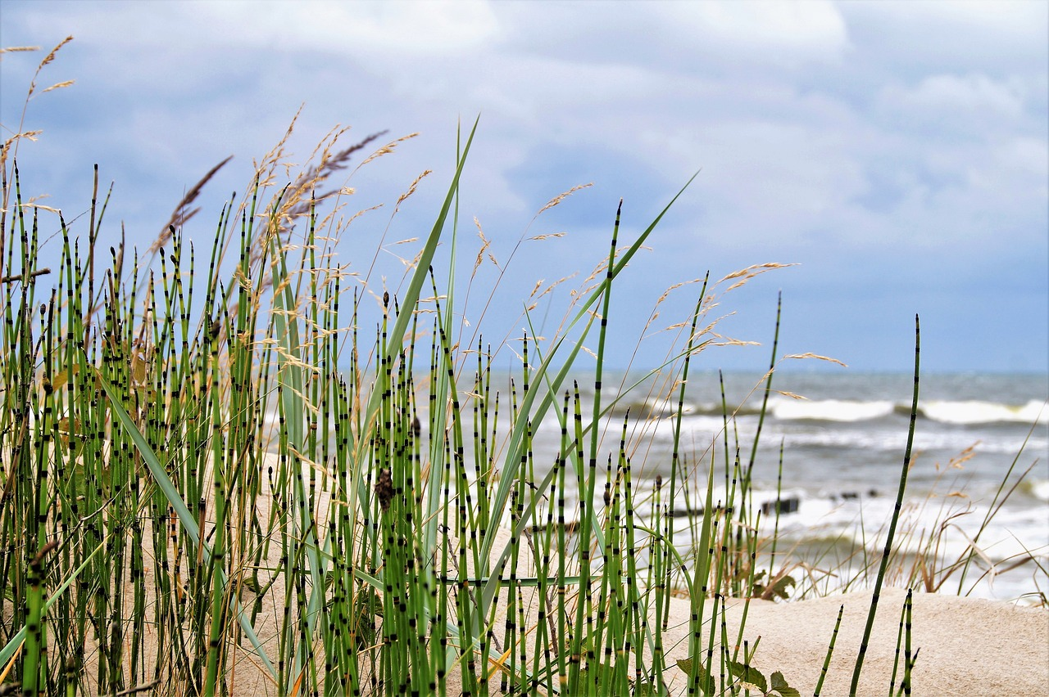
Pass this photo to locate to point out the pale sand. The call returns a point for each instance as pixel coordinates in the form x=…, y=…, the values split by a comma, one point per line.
x=967, y=647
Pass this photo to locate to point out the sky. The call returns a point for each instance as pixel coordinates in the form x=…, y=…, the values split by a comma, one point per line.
x=896, y=152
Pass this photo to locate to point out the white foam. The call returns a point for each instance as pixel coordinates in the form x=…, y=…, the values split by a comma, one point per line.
x=829, y=410
x=1040, y=489
x=977, y=412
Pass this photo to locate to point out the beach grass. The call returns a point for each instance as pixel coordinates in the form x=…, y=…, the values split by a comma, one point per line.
x=237, y=468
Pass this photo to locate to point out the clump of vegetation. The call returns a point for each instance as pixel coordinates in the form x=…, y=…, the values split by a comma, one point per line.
x=217, y=478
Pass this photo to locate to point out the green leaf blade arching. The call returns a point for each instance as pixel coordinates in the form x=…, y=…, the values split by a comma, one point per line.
x=167, y=487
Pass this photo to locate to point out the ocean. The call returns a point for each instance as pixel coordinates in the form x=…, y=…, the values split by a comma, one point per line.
x=843, y=440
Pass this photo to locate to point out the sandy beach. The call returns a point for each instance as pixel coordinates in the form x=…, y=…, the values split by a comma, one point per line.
x=966, y=646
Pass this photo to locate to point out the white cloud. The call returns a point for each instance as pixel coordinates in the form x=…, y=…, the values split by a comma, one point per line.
x=991, y=18
x=806, y=28
x=1016, y=172
x=917, y=37
x=823, y=129
x=392, y=29
x=940, y=97
x=699, y=38
x=438, y=27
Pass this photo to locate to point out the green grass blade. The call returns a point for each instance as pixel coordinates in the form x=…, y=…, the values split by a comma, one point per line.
x=167, y=487
x=895, y=514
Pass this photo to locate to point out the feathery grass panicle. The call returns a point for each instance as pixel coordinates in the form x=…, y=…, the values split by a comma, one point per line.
x=813, y=356
x=561, y=197
x=183, y=213
x=19, y=49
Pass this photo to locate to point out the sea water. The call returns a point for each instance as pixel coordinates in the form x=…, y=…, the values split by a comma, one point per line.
x=978, y=476
x=843, y=439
